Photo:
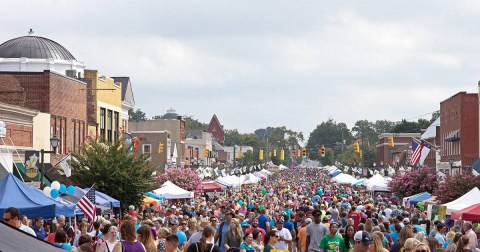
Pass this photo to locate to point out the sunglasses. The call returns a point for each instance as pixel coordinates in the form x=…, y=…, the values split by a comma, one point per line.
x=183, y=224
x=421, y=250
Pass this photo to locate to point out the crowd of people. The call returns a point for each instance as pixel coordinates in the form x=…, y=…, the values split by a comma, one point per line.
x=297, y=210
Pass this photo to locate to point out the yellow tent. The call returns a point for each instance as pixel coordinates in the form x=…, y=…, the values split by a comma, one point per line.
x=149, y=200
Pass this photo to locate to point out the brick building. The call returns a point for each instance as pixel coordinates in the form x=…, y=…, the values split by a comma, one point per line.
x=396, y=156
x=459, y=131
x=216, y=129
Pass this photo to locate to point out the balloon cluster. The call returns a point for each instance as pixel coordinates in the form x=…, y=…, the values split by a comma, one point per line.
x=56, y=189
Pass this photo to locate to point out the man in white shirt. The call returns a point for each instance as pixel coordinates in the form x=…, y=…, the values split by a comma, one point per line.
x=11, y=217
x=285, y=238
x=472, y=237
x=388, y=212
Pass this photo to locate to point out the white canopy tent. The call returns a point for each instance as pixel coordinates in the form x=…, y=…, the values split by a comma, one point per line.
x=282, y=167
x=468, y=199
x=171, y=191
x=344, y=179
x=268, y=173
x=377, y=183
x=250, y=179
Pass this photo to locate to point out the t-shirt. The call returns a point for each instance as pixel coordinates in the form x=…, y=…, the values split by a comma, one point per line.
x=331, y=244
x=355, y=216
x=288, y=225
x=334, y=214
x=27, y=229
x=247, y=247
x=210, y=248
x=302, y=237
x=262, y=220
x=40, y=233
x=284, y=233
x=225, y=228
x=316, y=233
x=268, y=248
x=250, y=231
x=440, y=238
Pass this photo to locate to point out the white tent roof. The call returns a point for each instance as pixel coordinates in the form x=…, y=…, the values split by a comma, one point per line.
x=171, y=191
x=266, y=172
x=344, y=179
x=282, y=167
x=377, y=183
x=468, y=199
x=431, y=131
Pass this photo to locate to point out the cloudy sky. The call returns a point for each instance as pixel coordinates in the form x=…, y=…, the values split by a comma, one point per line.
x=269, y=63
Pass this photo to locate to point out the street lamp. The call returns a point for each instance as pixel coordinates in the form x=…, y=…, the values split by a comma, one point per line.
x=374, y=165
x=450, y=161
x=54, y=141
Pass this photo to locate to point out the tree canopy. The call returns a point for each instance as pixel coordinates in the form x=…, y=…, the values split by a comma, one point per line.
x=114, y=171
x=136, y=116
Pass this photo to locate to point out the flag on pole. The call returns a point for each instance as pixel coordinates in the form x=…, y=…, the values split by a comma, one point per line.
x=87, y=205
x=65, y=164
x=419, y=152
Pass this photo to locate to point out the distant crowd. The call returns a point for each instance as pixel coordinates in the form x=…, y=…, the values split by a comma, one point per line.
x=298, y=210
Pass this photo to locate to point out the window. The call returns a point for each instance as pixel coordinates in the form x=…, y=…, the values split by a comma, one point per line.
x=109, y=126
x=115, y=128
x=147, y=148
x=102, y=124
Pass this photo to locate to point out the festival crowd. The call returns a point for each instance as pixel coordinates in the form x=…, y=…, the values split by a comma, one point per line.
x=297, y=210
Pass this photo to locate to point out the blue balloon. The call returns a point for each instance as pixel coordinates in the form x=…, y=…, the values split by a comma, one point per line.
x=240, y=202
x=63, y=189
x=54, y=193
x=71, y=189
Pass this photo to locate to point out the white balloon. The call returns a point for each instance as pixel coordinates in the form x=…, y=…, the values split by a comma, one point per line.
x=55, y=185
x=46, y=191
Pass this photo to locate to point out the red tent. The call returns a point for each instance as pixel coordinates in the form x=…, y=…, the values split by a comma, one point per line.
x=211, y=186
x=471, y=213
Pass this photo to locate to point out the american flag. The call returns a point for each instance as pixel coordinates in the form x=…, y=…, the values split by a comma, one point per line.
x=87, y=205
x=420, y=152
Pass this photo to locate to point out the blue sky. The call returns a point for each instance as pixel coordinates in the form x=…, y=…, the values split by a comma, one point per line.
x=270, y=63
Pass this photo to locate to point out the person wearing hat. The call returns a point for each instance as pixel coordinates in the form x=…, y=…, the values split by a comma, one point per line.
x=362, y=241
x=332, y=242
x=302, y=234
x=182, y=237
x=285, y=237
x=197, y=235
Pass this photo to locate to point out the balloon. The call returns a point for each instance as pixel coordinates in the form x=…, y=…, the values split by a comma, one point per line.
x=240, y=202
x=261, y=207
x=420, y=204
x=55, y=185
x=264, y=192
x=71, y=189
x=63, y=189
x=47, y=190
x=54, y=193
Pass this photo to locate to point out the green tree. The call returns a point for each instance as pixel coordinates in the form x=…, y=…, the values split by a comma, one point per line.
x=383, y=126
x=330, y=134
x=136, y=116
x=114, y=171
x=405, y=126
x=435, y=116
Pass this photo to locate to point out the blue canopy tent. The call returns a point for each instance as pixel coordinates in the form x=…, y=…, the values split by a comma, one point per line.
x=101, y=199
x=419, y=197
x=335, y=173
x=14, y=193
x=359, y=182
x=155, y=196
x=63, y=207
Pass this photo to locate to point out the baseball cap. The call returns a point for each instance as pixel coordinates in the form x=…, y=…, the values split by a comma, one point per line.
x=308, y=220
x=406, y=221
x=363, y=237
x=244, y=224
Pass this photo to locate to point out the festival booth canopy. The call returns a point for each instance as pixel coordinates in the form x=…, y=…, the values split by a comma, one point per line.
x=335, y=173
x=153, y=195
x=471, y=213
x=260, y=175
x=344, y=179
x=32, y=203
x=171, y=191
x=468, y=199
x=14, y=239
x=282, y=167
x=414, y=199
x=377, y=183
x=210, y=186
x=230, y=181
x=268, y=173
x=250, y=179
x=101, y=199
x=359, y=182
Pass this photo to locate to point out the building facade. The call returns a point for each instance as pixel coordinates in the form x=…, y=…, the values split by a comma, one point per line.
x=459, y=131
x=157, y=144
x=128, y=100
x=216, y=129
x=197, y=149
x=399, y=154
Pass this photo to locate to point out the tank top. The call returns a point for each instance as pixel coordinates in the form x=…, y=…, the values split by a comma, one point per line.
x=132, y=247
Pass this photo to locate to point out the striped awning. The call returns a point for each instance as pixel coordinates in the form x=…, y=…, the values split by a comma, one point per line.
x=453, y=136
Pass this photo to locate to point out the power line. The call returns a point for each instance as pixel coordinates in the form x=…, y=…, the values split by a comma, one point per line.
x=422, y=115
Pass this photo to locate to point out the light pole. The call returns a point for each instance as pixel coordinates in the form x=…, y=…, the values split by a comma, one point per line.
x=450, y=161
x=54, y=141
x=374, y=165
